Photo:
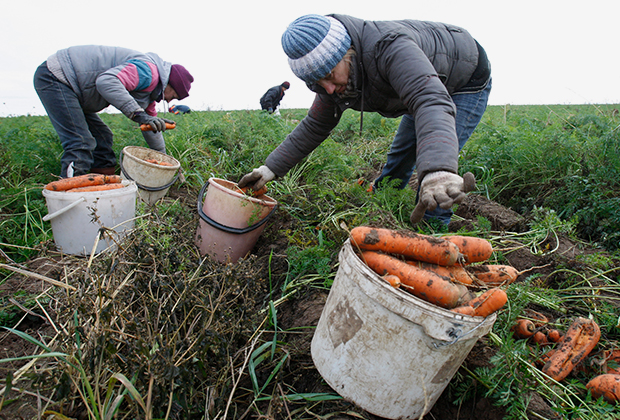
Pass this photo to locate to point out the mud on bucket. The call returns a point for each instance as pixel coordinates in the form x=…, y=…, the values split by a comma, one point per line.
x=230, y=221
x=154, y=172
x=384, y=349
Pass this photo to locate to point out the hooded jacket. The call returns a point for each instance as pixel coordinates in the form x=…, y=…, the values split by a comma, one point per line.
x=271, y=98
x=399, y=67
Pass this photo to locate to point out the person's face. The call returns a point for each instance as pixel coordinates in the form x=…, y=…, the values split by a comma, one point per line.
x=170, y=94
x=336, y=81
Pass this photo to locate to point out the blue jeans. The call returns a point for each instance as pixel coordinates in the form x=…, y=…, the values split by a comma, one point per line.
x=401, y=158
x=85, y=139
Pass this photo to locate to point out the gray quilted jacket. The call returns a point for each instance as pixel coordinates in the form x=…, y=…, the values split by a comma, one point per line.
x=405, y=66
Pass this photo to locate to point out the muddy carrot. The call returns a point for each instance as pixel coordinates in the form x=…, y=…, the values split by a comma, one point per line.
x=82, y=181
x=554, y=335
x=494, y=274
x=455, y=273
x=103, y=187
x=577, y=343
x=523, y=328
x=464, y=310
x=256, y=193
x=488, y=302
x=606, y=386
x=147, y=127
x=540, y=338
x=424, y=284
x=406, y=243
x=392, y=279
x=473, y=249
x=538, y=319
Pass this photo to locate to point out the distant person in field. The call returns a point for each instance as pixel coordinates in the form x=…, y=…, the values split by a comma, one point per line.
x=180, y=109
x=270, y=101
x=77, y=82
x=436, y=76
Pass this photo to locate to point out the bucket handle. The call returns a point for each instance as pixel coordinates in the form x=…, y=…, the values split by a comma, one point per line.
x=64, y=209
x=225, y=228
x=144, y=187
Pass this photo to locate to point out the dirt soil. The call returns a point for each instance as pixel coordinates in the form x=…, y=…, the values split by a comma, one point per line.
x=303, y=312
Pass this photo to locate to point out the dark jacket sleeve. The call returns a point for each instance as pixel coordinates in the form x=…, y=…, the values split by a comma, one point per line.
x=414, y=79
x=322, y=117
x=271, y=98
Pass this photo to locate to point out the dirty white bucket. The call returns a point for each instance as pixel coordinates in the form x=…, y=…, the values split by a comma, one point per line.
x=230, y=221
x=385, y=350
x=77, y=218
x=153, y=180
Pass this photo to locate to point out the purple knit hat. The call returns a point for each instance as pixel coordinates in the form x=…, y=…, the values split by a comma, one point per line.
x=180, y=80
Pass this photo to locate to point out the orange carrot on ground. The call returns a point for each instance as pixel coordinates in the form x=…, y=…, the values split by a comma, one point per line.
x=538, y=319
x=464, y=310
x=494, y=274
x=406, y=243
x=392, y=279
x=86, y=180
x=489, y=302
x=579, y=340
x=103, y=187
x=606, y=386
x=422, y=283
x=147, y=127
x=455, y=273
x=612, y=356
x=523, y=328
x=554, y=335
x=474, y=249
x=540, y=338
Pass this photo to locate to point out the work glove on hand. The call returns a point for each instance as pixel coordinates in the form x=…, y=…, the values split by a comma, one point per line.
x=158, y=124
x=442, y=189
x=257, y=178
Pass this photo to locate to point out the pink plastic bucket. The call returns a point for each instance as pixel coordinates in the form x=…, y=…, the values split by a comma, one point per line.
x=230, y=221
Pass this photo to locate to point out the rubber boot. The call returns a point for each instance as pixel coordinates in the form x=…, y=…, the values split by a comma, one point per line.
x=104, y=171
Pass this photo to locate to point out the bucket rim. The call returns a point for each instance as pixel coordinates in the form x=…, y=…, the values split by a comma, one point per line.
x=229, y=229
x=176, y=167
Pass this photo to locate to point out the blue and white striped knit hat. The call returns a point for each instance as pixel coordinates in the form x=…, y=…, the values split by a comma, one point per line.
x=314, y=45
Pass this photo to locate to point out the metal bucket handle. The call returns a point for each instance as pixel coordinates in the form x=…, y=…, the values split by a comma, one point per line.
x=225, y=228
x=144, y=187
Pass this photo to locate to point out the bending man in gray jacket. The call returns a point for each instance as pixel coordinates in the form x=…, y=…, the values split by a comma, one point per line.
x=76, y=83
x=436, y=76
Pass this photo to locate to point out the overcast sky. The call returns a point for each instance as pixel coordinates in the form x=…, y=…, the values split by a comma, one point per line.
x=542, y=52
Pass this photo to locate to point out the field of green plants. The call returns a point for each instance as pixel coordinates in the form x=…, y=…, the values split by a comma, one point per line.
x=155, y=331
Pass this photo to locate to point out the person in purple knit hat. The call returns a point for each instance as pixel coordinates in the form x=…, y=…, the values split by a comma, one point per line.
x=75, y=83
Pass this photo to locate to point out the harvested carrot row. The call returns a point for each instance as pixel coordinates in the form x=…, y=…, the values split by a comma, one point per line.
x=455, y=273
x=406, y=243
x=523, y=328
x=606, y=386
x=424, y=284
x=473, y=249
x=579, y=340
x=494, y=274
x=489, y=302
x=86, y=180
x=103, y=187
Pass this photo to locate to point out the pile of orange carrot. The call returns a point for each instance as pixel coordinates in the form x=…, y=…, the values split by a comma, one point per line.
x=158, y=162
x=86, y=183
x=445, y=271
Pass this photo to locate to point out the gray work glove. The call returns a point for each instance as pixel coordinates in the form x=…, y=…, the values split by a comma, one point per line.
x=157, y=124
x=257, y=178
x=441, y=189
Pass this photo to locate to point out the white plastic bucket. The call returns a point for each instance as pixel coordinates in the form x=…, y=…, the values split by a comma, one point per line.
x=385, y=350
x=153, y=180
x=77, y=218
x=230, y=221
